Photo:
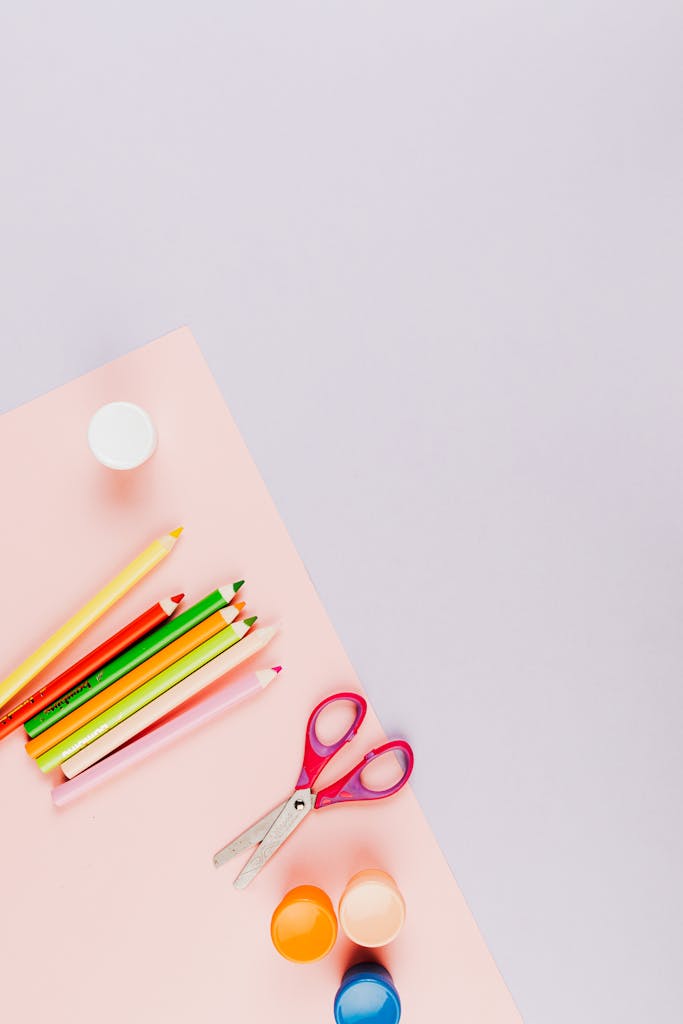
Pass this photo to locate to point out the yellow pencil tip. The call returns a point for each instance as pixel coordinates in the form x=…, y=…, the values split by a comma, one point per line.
x=176, y=533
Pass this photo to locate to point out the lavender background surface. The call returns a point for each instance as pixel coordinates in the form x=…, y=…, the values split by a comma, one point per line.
x=432, y=253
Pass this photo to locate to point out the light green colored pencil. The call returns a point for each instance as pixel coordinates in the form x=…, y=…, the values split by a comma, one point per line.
x=149, y=691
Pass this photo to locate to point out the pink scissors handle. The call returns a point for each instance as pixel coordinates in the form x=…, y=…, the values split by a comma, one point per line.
x=351, y=787
x=317, y=754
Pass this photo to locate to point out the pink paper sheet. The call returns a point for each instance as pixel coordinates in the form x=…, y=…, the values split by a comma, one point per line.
x=112, y=910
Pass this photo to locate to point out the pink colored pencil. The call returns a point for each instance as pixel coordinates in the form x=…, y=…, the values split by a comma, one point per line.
x=229, y=696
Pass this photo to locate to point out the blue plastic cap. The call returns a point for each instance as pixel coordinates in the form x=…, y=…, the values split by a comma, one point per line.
x=367, y=996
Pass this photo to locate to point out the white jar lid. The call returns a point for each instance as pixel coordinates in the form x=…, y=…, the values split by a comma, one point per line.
x=121, y=435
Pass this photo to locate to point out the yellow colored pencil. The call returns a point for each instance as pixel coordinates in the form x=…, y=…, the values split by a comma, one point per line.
x=88, y=614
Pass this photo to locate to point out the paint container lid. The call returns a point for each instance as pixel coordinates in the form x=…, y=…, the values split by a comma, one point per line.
x=121, y=435
x=372, y=909
x=304, y=925
x=367, y=995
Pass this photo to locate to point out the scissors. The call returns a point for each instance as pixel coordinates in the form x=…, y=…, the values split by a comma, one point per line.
x=270, y=832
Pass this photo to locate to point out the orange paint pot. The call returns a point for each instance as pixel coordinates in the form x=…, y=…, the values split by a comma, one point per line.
x=372, y=909
x=304, y=925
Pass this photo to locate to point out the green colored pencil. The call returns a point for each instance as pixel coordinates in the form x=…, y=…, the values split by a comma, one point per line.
x=130, y=659
x=149, y=691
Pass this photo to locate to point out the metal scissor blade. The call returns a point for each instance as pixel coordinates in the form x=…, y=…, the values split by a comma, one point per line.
x=250, y=837
x=291, y=815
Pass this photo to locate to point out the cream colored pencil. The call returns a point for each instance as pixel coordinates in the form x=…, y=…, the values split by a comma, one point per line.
x=168, y=701
x=87, y=615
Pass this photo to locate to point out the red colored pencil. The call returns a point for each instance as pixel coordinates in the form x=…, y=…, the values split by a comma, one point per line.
x=91, y=663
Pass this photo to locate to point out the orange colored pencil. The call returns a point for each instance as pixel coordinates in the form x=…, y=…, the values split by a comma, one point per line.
x=126, y=684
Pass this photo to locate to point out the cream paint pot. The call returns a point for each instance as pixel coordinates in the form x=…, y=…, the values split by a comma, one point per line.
x=372, y=909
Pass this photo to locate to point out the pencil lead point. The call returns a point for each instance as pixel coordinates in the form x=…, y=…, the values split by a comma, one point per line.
x=178, y=598
x=277, y=668
x=251, y=621
x=236, y=586
x=176, y=533
x=240, y=605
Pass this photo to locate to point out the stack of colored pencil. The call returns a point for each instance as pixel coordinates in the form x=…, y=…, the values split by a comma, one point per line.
x=127, y=684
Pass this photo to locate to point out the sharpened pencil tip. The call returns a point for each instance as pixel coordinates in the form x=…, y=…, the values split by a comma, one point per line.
x=240, y=605
x=178, y=598
x=176, y=533
x=276, y=668
x=236, y=586
x=251, y=621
